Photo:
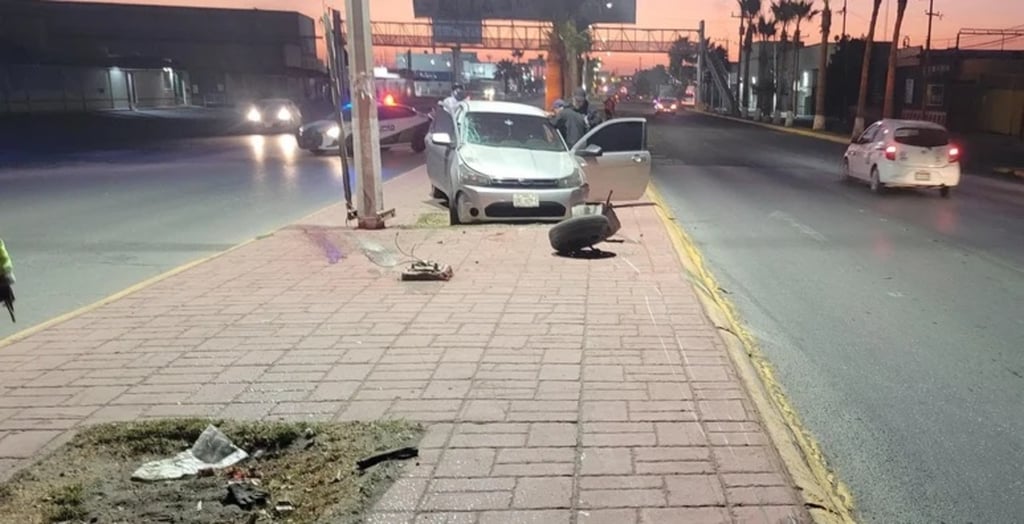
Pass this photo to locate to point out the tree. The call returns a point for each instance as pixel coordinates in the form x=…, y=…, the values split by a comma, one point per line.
x=802, y=10
x=783, y=12
x=505, y=71
x=889, y=108
x=681, y=57
x=748, y=10
x=819, y=95
x=766, y=30
x=576, y=43
x=865, y=72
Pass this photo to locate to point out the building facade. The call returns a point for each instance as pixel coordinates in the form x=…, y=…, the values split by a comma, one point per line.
x=72, y=56
x=966, y=90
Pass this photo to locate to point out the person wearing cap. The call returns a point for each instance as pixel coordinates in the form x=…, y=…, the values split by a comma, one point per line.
x=457, y=96
x=570, y=123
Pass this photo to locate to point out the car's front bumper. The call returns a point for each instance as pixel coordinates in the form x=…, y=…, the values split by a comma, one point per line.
x=498, y=204
x=313, y=139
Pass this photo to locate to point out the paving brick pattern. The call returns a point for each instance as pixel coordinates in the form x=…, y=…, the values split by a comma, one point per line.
x=554, y=390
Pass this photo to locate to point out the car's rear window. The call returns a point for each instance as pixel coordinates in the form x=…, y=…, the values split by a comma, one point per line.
x=921, y=136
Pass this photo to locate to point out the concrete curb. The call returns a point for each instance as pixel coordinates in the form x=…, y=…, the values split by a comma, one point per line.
x=791, y=130
x=1009, y=171
x=825, y=496
x=64, y=317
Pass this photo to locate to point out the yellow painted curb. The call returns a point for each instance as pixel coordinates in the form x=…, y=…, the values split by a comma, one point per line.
x=790, y=130
x=826, y=497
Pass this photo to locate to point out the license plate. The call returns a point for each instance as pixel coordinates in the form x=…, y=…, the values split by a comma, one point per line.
x=525, y=200
x=922, y=175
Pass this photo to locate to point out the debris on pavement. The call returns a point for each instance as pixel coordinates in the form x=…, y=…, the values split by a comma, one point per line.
x=245, y=496
x=393, y=454
x=426, y=270
x=283, y=508
x=212, y=450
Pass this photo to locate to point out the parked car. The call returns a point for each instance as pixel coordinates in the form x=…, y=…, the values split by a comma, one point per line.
x=904, y=153
x=399, y=125
x=501, y=161
x=667, y=105
x=274, y=114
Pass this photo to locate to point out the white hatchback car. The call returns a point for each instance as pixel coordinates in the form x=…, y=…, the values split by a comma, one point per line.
x=505, y=161
x=904, y=153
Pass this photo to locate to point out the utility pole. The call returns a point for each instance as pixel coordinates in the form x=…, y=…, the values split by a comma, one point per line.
x=365, y=123
x=739, y=66
x=844, y=17
x=337, y=64
x=701, y=51
x=927, y=55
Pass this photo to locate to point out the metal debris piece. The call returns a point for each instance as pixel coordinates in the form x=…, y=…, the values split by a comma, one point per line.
x=394, y=454
x=427, y=270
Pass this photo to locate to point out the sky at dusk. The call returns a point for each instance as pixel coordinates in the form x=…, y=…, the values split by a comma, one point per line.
x=720, y=26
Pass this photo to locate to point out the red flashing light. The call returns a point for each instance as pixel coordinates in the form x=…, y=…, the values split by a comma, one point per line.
x=389, y=99
x=890, y=153
x=954, y=154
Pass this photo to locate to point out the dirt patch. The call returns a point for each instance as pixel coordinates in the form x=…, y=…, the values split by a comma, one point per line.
x=313, y=466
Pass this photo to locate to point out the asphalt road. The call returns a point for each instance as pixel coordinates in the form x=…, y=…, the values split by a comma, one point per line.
x=895, y=322
x=81, y=226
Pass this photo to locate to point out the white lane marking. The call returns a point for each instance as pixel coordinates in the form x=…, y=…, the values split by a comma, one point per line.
x=799, y=226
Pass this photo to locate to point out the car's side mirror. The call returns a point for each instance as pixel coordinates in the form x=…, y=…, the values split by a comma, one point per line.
x=441, y=139
x=591, y=151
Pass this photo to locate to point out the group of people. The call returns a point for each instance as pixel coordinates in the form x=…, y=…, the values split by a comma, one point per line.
x=574, y=119
x=571, y=119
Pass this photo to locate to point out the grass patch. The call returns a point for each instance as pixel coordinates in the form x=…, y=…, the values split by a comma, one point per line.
x=309, y=465
x=432, y=220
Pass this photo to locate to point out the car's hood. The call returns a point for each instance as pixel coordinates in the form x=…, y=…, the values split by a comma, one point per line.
x=514, y=163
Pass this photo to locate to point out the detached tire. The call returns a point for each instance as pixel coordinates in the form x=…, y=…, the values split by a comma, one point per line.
x=576, y=233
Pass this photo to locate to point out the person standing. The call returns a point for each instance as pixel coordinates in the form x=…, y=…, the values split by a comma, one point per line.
x=453, y=100
x=6, y=279
x=569, y=122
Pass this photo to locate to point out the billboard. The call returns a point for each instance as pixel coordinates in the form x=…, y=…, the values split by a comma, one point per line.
x=464, y=32
x=594, y=11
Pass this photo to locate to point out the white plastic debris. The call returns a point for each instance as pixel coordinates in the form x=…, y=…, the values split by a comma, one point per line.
x=212, y=450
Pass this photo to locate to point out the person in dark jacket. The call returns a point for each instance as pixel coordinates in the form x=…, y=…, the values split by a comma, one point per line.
x=580, y=102
x=570, y=123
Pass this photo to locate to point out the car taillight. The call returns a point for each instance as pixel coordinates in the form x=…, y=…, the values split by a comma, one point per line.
x=954, y=154
x=890, y=153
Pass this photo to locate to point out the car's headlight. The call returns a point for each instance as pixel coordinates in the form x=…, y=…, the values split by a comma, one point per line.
x=470, y=177
x=573, y=180
x=253, y=115
x=284, y=114
x=334, y=132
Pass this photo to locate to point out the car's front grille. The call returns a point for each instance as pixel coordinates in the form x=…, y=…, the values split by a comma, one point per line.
x=309, y=138
x=507, y=210
x=528, y=183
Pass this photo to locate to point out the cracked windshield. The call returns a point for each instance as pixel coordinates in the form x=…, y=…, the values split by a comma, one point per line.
x=511, y=261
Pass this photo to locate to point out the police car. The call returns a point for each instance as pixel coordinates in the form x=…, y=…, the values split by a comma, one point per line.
x=399, y=125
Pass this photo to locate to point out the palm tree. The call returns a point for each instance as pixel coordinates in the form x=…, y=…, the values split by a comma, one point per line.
x=748, y=10
x=766, y=29
x=802, y=10
x=782, y=11
x=819, y=95
x=890, y=77
x=576, y=43
x=865, y=72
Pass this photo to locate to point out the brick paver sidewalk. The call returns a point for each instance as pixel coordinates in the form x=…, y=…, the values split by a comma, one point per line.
x=555, y=390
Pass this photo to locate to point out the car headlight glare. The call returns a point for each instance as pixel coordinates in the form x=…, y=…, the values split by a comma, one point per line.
x=334, y=132
x=470, y=177
x=573, y=180
x=254, y=115
x=284, y=114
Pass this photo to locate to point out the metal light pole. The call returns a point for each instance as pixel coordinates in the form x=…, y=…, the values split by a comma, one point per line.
x=701, y=50
x=365, y=125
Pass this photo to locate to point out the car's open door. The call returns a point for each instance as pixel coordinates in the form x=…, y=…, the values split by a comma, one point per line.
x=615, y=159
